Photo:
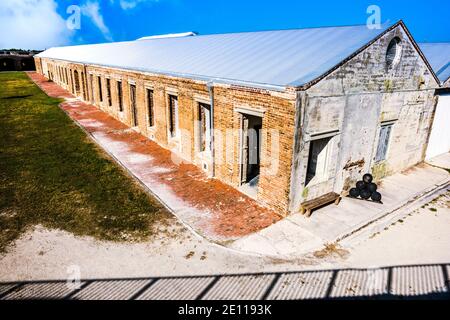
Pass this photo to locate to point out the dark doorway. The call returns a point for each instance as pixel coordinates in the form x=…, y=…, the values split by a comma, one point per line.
x=77, y=82
x=84, y=87
x=173, y=115
x=108, y=92
x=119, y=95
x=251, y=149
x=133, y=104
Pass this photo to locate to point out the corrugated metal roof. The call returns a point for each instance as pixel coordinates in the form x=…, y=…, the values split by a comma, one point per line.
x=169, y=35
x=268, y=58
x=438, y=55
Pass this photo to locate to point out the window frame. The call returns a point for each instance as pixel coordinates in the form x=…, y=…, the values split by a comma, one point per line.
x=150, y=103
x=132, y=96
x=383, y=126
x=204, y=136
x=395, y=43
x=108, y=92
x=76, y=78
x=72, y=81
x=321, y=176
x=173, y=116
x=92, y=91
x=100, y=91
x=83, y=86
x=119, y=94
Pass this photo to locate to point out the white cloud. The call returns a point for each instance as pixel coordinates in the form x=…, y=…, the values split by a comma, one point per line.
x=31, y=24
x=92, y=10
x=130, y=4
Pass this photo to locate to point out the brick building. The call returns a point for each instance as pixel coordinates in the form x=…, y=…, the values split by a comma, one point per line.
x=284, y=116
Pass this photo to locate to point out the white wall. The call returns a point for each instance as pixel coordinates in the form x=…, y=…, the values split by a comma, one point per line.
x=440, y=131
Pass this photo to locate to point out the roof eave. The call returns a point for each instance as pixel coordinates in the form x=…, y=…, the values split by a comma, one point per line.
x=206, y=79
x=395, y=25
x=422, y=55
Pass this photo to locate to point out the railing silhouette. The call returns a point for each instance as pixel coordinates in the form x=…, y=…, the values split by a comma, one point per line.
x=396, y=282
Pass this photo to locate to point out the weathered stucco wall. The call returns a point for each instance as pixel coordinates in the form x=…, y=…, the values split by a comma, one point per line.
x=351, y=103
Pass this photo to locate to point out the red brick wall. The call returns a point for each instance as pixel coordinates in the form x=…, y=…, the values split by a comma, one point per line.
x=278, y=109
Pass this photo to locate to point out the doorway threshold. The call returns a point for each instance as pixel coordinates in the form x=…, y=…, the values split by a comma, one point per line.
x=250, y=188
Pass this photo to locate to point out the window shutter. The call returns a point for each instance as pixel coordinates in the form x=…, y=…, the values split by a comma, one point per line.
x=383, y=142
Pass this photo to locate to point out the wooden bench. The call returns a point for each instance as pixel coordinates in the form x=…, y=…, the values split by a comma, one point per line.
x=325, y=199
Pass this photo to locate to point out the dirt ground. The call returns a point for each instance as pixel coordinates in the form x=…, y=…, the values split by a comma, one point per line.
x=40, y=253
x=423, y=237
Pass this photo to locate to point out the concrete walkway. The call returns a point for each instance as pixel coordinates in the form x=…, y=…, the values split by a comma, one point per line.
x=441, y=161
x=297, y=235
x=207, y=206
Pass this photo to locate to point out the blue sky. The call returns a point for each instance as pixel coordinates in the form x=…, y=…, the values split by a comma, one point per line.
x=119, y=20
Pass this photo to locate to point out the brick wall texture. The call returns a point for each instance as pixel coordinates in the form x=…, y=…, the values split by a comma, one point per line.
x=278, y=109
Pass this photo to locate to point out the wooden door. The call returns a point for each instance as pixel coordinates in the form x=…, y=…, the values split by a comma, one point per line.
x=244, y=149
x=133, y=104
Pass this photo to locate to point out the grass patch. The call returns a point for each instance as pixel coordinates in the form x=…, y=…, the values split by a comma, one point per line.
x=52, y=174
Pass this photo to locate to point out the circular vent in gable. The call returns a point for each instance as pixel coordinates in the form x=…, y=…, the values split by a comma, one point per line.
x=393, y=52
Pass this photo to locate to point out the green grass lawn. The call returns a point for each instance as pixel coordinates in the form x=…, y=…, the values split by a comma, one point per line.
x=52, y=174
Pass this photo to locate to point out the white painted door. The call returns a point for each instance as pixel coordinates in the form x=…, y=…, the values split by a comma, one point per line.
x=317, y=170
x=439, y=142
x=207, y=129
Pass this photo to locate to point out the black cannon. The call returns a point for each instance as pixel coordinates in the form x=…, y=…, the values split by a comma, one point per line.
x=366, y=189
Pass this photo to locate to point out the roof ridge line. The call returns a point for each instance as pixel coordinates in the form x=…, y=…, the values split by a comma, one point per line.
x=286, y=29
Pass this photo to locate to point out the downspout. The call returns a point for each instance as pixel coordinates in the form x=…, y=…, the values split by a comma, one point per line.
x=210, y=87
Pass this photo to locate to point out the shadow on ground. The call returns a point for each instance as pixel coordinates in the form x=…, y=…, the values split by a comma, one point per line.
x=429, y=281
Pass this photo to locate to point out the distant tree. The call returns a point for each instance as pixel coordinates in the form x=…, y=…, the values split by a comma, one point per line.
x=19, y=51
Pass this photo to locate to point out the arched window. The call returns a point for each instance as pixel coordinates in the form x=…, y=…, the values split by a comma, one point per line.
x=393, y=52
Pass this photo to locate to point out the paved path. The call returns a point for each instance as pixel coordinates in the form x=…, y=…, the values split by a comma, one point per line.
x=212, y=208
x=398, y=282
x=441, y=161
x=297, y=235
